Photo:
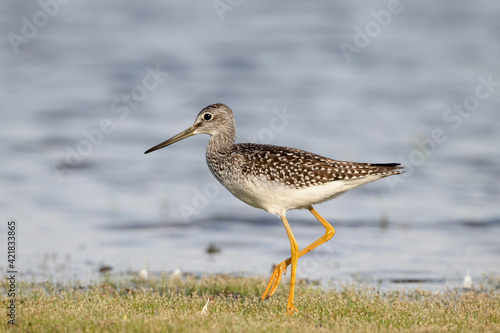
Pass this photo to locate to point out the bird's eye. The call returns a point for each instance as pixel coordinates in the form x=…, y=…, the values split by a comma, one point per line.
x=207, y=116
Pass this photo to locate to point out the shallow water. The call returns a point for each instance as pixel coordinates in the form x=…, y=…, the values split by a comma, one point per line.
x=83, y=194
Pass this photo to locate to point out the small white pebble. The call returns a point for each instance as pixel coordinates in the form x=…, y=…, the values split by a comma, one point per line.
x=143, y=274
x=468, y=283
x=177, y=273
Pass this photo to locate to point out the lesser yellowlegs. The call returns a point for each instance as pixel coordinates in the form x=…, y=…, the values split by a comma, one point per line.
x=277, y=179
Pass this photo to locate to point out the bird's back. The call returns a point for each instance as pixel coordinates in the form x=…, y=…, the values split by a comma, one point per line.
x=298, y=168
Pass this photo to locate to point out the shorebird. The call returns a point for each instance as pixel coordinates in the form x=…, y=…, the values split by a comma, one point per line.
x=277, y=179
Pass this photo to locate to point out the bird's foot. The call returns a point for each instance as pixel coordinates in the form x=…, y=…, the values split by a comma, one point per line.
x=290, y=309
x=274, y=281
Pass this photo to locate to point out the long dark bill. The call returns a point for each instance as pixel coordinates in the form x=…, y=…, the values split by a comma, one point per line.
x=182, y=135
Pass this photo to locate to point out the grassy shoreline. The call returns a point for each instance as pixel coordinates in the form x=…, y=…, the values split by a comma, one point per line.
x=166, y=304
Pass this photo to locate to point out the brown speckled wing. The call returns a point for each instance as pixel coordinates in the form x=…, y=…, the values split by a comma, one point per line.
x=297, y=168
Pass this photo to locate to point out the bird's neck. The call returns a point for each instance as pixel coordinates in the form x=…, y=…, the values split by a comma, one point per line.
x=221, y=142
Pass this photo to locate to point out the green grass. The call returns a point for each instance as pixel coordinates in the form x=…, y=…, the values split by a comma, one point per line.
x=163, y=304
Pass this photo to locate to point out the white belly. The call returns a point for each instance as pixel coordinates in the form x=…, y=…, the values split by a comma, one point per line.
x=277, y=199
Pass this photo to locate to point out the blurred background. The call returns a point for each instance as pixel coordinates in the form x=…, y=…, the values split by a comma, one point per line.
x=88, y=86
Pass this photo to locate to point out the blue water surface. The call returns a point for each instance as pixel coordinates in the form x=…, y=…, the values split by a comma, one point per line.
x=88, y=86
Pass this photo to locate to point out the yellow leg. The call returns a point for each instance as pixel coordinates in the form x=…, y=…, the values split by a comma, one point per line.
x=294, y=249
x=280, y=269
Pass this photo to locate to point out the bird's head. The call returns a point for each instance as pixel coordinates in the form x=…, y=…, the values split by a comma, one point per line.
x=216, y=120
